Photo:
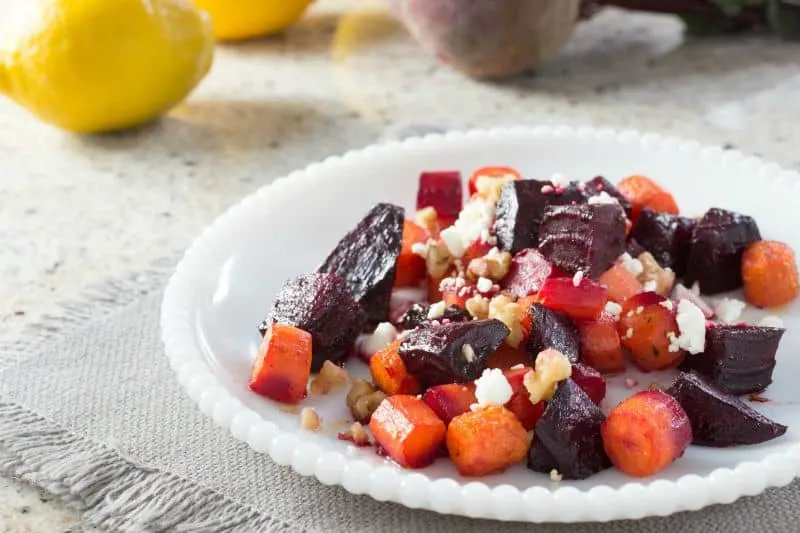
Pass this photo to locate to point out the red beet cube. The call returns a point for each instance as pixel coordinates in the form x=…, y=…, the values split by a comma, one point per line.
x=528, y=272
x=591, y=381
x=442, y=190
x=450, y=400
x=584, y=301
x=520, y=404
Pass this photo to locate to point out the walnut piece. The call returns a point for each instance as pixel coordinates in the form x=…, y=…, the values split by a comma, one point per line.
x=510, y=313
x=309, y=419
x=494, y=265
x=330, y=376
x=357, y=435
x=551, y=368
x=437, y=259
x=478, y=307
x=363, y=399
x=664, y=278
x=428, y=219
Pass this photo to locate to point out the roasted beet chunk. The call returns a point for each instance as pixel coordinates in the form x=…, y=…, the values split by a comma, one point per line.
x=588, y=238
x=633, y=248
x=442, y=190
x=321, y=305
x=666, y=236
x=529, y=270
x=567, y=437
x=715, y=254
x=738, y=359
x=417, y=316
x=552, y=329
x=366, y=257
x=597, y=185
x=451, y=353
x=521, y=207
x=720, y=419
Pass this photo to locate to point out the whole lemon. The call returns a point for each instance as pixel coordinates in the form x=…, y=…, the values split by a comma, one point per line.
x=101, y=65
x=244, y=19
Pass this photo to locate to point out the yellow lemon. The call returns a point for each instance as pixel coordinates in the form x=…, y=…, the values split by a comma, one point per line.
x=243, y=19
x=101, y=65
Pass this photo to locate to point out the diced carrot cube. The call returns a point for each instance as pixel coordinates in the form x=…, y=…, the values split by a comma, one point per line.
x=621, y=284
x=600, y=344
x=283, y=366
x=769, y=271
x=491, y=173
x=389, y=373
x=410, y=266
x=486, y=441
x=646, y=328
x=642, y=192
x=408, y=430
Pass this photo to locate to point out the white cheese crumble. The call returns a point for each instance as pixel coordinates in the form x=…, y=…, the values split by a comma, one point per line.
x=555, y=476
x=384, y=334
x=629, y=333
x=420, y=249
x=613, y=309
x=602, y=198
x=577, y=278
x=560, y=180
x=650, y=286
x=771, y=321
x=492, y=388
x=634, y=266
x=692, y=329
x=667, y=304
x=484, y=285
x=469, y=353
x=475, y=218
x=436, y=311
x=728, y=310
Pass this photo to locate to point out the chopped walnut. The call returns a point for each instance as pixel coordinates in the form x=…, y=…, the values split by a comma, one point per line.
x=555, y=476
x=363, y=399
x=510, y=313
x=309, y=419
x=428, y=219
x=494, y=265
x=551, y=368
x=664, y=278
x=357, y=435
x=330, y=375
x=478, y=307
x=437, y=259
x=291, y=409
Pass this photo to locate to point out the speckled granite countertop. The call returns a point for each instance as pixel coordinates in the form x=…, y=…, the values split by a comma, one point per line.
x=75, y=210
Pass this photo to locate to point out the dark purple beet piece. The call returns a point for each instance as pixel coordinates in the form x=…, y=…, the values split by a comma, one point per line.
x=667, y=237
x=715, y=254
x=738, y=359
x=528, y=272
x=590, y=380
x=453, y=352
x=521, y=207
x=720, y=419
x=595, y=186
x=633, y=248
x=553, y=329
x=366, y=259
x=567, y=436
x=321, y=305
x=583, y=237
x=417, y=316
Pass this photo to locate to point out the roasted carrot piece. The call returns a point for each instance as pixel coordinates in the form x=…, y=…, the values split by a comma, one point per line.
x=408, y=430
x=410, y=266
x=491, y=173
x=283, y=366
x=645, y=329
x=769, y=271
x=621, y=284
x=600, y=345
x=389, y=372
x=434, y=293
x=486, y=441
x=642, y=192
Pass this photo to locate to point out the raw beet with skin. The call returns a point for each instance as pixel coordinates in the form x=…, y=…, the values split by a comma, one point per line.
x=366, y=259
x=720, y=419
x=595, y=186
x=715, y=255
x=667, y=237
x=553, y=329
x=567, y=436
x=738, y=359
x=437, y=355
x=520, y=210
x=528, y=272
x=321, y=305
x=587, y=237
x=417, y=316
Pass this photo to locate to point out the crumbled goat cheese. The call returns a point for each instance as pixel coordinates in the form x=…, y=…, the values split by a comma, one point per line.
x=629, y=333
x=667, y=304
x=420, y=249
x=560, y=180
x=650, y=286
x=771, y=321
x=555, y=476
x=436, y=311
x=692, y=329
x=634, y=266
x=474, y=218
x=469, y=352
x=484, y=285
x=384, y=334
x=602, y=198
x=492, y=388
x=728, y=310
x=613, y=309
x=577, y=278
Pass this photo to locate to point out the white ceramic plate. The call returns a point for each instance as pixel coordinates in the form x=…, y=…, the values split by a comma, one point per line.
x=228, y=277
